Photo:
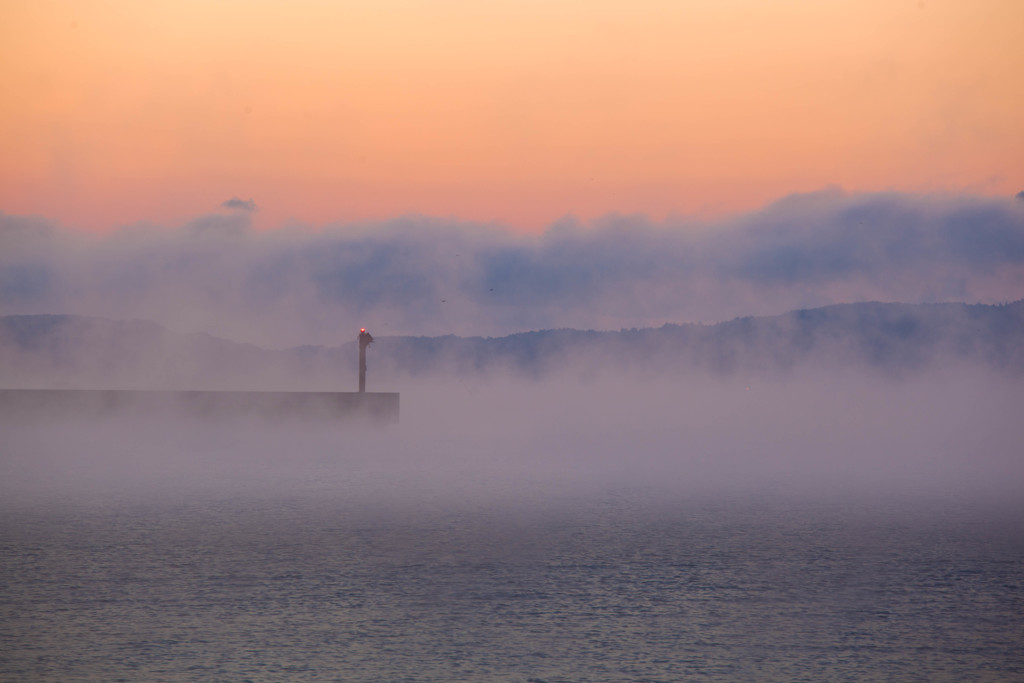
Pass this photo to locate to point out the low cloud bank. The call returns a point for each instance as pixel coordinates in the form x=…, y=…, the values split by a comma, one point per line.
x=427, y=276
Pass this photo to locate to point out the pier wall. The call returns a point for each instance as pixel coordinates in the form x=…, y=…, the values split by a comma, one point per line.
x=268, y=405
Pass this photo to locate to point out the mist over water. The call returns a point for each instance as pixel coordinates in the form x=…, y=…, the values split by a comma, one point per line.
x=499, y=438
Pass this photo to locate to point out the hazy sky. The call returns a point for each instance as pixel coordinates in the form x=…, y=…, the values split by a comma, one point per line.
x=510, y=111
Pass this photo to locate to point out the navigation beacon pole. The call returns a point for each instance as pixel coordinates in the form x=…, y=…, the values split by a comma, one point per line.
x=364, y=340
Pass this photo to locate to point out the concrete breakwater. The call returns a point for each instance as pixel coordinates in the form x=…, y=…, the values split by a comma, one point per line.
x=97, y=403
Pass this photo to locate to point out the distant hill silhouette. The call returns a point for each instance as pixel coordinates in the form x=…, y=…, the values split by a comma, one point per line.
x=893, y=339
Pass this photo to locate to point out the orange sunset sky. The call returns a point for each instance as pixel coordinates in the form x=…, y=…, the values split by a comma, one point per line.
x=514, y=111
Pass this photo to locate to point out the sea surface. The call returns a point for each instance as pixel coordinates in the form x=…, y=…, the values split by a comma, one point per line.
x=607, y=586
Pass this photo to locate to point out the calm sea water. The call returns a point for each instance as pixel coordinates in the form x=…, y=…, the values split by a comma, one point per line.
x=606, y=587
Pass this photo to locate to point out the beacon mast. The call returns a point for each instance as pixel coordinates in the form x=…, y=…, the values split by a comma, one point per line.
x=365, y=339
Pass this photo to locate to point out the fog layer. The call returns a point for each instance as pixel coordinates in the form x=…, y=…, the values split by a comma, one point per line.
x=861, y=399
x=428, y=276
x=536, y=443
